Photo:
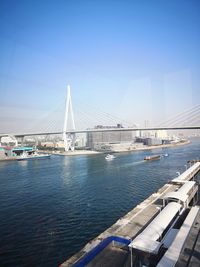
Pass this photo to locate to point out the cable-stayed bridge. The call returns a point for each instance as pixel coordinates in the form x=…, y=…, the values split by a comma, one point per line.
x=85, y=122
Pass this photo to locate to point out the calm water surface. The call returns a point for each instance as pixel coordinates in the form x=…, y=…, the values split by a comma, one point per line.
x=50, y=208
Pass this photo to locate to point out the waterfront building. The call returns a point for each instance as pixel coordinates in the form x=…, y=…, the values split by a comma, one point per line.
x=162, y=134
x=152, y=141
x=97, y=139
x=47, y=144
x=80, y=140
x=149, y=141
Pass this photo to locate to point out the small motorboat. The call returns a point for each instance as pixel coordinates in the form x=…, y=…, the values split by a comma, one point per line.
x=109, y=157
x=166, y=155
x=155, y=157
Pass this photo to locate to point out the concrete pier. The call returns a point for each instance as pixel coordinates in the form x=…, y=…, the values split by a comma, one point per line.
x=132, y=224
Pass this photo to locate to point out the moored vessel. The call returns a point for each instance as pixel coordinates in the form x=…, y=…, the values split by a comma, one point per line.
x=33, y=156
x=28, y=153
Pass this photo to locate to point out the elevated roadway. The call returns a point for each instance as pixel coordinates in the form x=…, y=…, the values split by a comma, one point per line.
x=102, y=130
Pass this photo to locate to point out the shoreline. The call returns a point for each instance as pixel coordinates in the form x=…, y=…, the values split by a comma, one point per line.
x=157, y=147
x=92, y=152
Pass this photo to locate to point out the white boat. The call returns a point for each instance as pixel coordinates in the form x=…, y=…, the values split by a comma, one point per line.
x=26, y=156
x=109, y=157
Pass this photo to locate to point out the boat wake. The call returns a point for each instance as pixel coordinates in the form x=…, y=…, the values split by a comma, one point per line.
x=132, y=163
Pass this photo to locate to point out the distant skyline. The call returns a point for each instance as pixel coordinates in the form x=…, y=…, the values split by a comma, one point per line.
x=138, y=60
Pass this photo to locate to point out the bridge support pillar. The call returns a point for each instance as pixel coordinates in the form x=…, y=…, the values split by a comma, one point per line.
x=69, y=138
x=69, y=141
x=20, y=140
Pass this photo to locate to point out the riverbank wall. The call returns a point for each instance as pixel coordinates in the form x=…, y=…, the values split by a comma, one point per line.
x=130, y=225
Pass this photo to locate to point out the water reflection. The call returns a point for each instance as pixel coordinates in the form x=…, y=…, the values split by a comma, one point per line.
x=75, y=168
x=23, y=163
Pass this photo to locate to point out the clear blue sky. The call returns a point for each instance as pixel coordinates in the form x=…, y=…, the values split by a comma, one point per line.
x=138, y=59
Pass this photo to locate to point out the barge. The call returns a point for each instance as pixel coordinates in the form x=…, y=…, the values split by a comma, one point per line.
x=155, y=157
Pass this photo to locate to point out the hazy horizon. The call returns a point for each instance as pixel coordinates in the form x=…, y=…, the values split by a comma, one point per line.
x=136, y=60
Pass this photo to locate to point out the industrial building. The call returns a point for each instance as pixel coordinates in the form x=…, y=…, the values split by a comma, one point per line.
x=101, y=140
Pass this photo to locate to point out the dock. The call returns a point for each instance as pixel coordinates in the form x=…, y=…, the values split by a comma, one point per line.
x=133, y=223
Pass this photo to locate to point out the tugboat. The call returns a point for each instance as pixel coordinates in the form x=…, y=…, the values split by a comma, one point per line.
x=155, y=157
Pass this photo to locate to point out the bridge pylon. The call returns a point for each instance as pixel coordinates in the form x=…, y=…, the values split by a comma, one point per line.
x=69, y=139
